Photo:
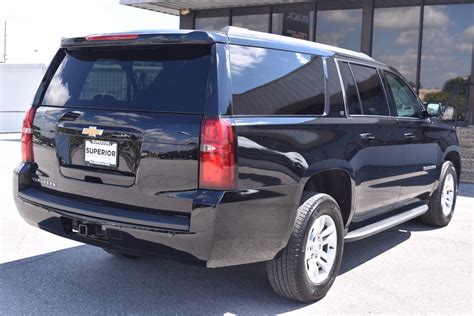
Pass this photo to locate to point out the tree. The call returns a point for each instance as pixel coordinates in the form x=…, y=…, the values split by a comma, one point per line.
x=449, y=89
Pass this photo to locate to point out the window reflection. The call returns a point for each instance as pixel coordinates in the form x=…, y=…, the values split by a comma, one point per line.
x=342, y=28
x=370, y=89
x=270, y=82
x=405, y=100
x=395, y=39
x=256, y=22
x=448, y=37
x=212, y=23
x=334, y=90
x=58, y=91
x=298, y=24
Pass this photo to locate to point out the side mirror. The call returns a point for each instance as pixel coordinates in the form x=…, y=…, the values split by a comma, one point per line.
x=434, y=109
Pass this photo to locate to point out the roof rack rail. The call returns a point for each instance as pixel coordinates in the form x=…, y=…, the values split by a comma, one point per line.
x=244, y=32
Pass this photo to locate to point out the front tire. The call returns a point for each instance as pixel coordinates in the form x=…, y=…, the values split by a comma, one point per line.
x=443, y=200
x=308, y=266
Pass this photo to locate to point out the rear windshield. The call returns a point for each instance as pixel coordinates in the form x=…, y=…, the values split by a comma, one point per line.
x=168, y=78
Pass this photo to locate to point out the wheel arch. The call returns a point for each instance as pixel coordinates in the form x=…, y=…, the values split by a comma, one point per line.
x=336, y=179
x=452, y=154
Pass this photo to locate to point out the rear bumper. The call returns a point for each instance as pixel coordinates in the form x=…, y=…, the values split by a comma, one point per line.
x=223, y=229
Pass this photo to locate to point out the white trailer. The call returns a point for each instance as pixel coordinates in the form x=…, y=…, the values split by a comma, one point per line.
x=18, y=84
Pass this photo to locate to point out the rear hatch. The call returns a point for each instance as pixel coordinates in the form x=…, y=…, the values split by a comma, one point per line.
x=122, y=124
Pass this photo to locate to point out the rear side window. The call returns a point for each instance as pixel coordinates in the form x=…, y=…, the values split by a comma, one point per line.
x=167, y=78
x=334, y=90
x=353, y=103
x=273, y=82
x=369, y=85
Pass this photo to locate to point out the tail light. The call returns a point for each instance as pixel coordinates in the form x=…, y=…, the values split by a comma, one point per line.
x=27, y=136
x=217, y=155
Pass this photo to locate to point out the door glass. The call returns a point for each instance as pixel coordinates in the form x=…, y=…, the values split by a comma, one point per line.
x=334, y=90
x=353, y=104
x=372, y=96
x=403, y=97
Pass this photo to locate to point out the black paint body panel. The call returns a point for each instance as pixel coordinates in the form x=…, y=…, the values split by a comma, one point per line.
x=158, y=171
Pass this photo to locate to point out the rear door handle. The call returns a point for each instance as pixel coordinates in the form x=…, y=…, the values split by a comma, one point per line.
x=367, y=136
x=409, y=136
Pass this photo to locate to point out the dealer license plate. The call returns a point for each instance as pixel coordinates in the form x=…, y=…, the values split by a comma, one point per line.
x=101, y=152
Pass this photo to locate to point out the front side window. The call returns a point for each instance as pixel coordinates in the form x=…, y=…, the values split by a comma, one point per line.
x=372, y=96
x=403, y=97
x=275, y=82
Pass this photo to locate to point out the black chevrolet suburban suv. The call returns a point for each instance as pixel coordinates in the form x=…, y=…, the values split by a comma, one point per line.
x=227, y=148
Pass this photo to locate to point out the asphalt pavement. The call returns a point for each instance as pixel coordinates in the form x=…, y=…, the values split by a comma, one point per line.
x=411, y=269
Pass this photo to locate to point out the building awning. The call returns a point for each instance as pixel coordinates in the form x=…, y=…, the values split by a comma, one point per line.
x=174, y=7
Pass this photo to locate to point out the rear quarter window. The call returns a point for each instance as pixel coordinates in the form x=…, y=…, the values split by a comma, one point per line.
x=167, y=78
x=274, y=82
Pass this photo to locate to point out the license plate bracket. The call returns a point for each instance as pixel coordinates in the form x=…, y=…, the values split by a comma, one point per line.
x=101, y=152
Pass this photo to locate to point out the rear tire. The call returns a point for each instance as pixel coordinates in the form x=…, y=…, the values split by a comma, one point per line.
x=120, y=254
x=443, y=200
x=309, y=264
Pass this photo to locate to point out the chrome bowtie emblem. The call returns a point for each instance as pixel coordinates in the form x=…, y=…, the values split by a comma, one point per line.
x=92, y=131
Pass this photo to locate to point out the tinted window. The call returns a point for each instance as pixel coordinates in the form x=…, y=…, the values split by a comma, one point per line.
x=353, y=104
x=405, y=101
x=334, y=90
x=370, y=89
x=268, y=82
x=169, y=79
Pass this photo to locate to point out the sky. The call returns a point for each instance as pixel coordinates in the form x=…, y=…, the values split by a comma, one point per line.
x=35, y=27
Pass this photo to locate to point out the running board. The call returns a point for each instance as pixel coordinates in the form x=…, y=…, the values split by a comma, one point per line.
x=387, y=223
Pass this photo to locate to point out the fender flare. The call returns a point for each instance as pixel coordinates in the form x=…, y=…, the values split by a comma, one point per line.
x=447, y=151
x=328, y=165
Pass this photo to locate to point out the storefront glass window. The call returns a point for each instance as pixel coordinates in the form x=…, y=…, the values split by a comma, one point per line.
x=341, y=28
x=298, y=24
x=395, y=39
x=448, y=36
x=212, y=23
x=255, y=22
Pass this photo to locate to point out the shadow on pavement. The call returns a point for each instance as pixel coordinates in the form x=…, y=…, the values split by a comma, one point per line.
x=359, y=252
x=85, y=279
